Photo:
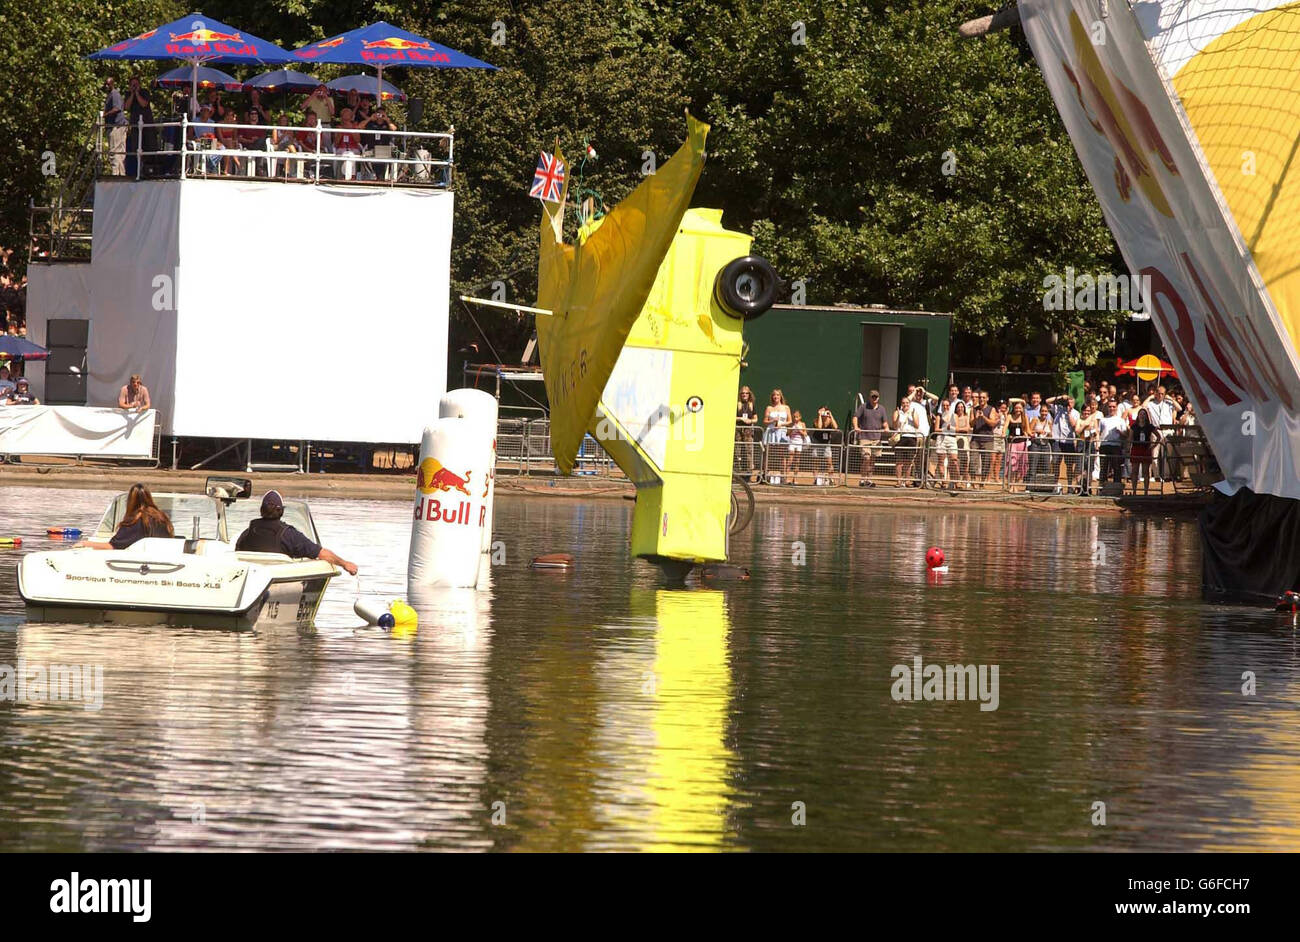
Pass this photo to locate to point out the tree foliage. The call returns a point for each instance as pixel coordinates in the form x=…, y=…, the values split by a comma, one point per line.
x=833, y=125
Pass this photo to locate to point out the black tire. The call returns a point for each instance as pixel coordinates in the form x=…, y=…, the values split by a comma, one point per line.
x=742, y=505
x=747, y=287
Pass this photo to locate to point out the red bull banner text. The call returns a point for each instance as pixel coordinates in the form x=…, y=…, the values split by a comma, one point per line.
x=1145, y=129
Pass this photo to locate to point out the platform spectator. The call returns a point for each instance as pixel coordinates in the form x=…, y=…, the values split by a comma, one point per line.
x=134, y=396
x=6, y=383
x=138, y=109
x=255, y=107
x=115, y=122
x=320, y=104
x=21, y=394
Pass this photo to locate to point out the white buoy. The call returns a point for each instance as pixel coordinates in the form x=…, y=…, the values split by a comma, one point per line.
x=481, y=409
x=373, y=612
x=453, y=484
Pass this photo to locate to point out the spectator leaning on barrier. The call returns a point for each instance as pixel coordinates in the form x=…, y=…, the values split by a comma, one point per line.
x=983, y=422
x=6, y=384
x=823, y=437
x=21, y=394
x=1163, y=410
x=1065, y=442
x=1034, y=406
x=746, y=432
x=794, y=451
x=1018, y=431
x=134, y=396
x=869, y=421
x=945, y=442
x=908, y=438
x=1111, y=429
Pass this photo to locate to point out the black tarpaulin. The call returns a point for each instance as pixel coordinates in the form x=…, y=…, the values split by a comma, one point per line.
x=1250, y=546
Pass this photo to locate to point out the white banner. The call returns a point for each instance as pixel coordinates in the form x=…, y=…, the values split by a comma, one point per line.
x=1233, y=352
x=76, y=430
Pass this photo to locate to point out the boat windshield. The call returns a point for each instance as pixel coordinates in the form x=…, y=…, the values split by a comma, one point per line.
x=296, y=514
x=192, y=516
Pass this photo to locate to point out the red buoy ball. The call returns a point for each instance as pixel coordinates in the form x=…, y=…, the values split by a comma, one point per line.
x=934, y=557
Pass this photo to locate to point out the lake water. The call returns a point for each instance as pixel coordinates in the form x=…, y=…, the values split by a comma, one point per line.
x=598, y=710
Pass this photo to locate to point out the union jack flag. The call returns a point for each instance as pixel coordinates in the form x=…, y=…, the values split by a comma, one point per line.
x=548, y=179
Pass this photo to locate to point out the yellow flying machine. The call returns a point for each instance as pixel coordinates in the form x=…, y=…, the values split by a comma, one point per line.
x=642, y=349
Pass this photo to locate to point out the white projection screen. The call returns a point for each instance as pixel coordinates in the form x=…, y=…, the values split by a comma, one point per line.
x=310, y=313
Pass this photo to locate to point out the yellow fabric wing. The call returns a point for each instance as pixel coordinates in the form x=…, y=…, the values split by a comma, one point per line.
x=598, y=287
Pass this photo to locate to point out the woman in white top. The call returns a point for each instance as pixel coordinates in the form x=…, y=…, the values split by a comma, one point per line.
x=907, y=441
x=776, y=421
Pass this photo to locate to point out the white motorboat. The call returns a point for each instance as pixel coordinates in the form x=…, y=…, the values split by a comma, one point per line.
x=194, y=579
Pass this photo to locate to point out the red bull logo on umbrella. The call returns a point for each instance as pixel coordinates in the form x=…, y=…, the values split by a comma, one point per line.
x=203, y=35
x=433, y=476
x=394, y=48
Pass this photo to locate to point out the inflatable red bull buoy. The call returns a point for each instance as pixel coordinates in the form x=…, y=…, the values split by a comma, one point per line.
x=934, y=557
x=452, y=491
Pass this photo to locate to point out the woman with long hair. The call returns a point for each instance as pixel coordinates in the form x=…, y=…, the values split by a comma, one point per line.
x=776, y=424
x=141, y=519
x=1017, y=441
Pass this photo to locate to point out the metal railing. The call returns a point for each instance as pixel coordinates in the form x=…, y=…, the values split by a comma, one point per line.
x=969, y=463
x=185, y=148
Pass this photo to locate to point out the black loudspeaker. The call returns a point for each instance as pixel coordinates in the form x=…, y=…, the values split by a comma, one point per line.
x=414, y=111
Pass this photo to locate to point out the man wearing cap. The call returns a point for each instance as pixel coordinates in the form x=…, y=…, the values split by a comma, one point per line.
x=270, y=534
x=21, y=394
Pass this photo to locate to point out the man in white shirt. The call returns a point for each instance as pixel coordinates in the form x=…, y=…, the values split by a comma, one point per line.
x=1065, y=444
x=1110, y=440
x=921, y=415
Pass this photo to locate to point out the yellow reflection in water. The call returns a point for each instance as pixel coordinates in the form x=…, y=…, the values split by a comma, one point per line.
x=690, y=760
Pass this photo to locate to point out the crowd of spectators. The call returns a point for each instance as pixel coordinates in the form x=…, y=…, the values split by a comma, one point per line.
x=785, y=427
x=1062, y=442
x=13, y=297
x=242, y=121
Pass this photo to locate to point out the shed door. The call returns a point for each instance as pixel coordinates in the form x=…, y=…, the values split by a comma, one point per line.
x=880, y=362
x=65, y=370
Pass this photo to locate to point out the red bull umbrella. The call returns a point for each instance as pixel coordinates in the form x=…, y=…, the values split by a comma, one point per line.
x=205, y=77
x=383, y=44
x=14, y=348
x=365, y=85
x=197, y=39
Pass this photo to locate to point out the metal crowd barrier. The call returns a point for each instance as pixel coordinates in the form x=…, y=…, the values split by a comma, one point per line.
x=980, y=464
x=970, y=464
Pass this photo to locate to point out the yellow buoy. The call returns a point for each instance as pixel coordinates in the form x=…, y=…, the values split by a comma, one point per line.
x=403, y=615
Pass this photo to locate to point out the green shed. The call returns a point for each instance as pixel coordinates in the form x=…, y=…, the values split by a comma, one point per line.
x=827, y=355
